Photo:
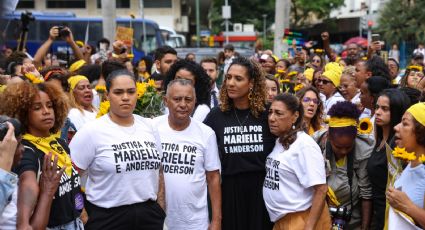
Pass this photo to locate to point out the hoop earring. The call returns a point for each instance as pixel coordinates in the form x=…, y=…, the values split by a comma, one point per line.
x=250, y=94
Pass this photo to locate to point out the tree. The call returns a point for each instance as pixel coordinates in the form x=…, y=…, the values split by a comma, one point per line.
x=251, y=11
x=402, y=20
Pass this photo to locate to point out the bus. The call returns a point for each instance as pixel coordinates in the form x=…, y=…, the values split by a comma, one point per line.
x=39, y=31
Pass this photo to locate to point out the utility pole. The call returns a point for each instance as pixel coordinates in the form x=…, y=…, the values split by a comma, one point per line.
x=108, y=19
x=369, y=18
x=281, y=23
x=226, y=15
x=198, y=32
x=264, y=28
x=142, y=14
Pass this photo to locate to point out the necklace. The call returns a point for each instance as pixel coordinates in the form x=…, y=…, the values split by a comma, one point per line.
x=241, y=123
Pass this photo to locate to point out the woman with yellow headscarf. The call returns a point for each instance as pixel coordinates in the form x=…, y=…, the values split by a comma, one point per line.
x=81, y=97
x=328, y=84
x=347, y=152
x=407, y=197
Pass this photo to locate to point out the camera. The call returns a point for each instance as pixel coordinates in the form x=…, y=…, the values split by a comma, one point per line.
x=4, y=127
x=26, y=18
x=63, y=32
x=340, y=217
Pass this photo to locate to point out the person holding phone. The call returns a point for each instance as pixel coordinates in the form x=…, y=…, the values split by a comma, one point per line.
x=54, y=34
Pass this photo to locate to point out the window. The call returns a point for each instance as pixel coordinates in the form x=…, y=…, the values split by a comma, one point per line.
x=118, y=4
x=66, y=4
x=157, y=3
x=26, y=4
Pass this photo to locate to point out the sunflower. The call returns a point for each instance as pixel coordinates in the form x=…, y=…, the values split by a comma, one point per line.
x=34, y=79
x=298, y=87
x=141, y=89
x=103, y=108
x=365, y=126
x=100, y=88
x=422, y=158
x=151, y=83
x=402, y=154
x=284, y=81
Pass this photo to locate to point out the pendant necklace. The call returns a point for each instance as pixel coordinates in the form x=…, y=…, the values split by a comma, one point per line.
x=241, y=123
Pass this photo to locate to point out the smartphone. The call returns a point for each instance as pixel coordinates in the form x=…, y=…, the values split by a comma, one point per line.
x=376, y=37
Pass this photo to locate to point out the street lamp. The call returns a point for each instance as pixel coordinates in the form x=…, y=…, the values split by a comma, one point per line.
x=264, y=27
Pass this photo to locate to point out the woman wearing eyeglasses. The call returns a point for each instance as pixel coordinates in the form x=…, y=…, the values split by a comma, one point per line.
x=412, y=77
x=316, y=61
x=313, y=111
x=81, y=96
x=328, y=83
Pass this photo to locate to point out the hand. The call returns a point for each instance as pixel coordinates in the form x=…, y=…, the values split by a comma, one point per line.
x=215, y=225
x=8, y=148
x=30, y=68
x=50, y=176
x=308, y=44
x=398, y=199
x=54, y=33
x=325, y=36
x=70, y=38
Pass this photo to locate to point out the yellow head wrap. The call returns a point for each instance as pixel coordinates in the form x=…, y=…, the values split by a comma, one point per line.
x=333, y=72
x=418, y=112
x=275, y=58
x=415, y=67
x=73, y=81
x=79, y=43
x=338, y=122
x=77, y=65
x=308, y=73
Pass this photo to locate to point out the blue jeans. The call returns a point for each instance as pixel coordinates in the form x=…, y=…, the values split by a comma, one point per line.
x=76, y=224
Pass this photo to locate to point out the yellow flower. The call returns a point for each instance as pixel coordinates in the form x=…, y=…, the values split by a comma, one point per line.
x=298, y=87
x=103, y=108
x=34, y=79
x=422, y=158
x=151, y=83
x=402, y=154
x=100, y=88
x=365, y=126
x=284, y=81
x=293, y=73
x=141, y=89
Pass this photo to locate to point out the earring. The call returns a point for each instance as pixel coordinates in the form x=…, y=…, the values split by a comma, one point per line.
x=250, y=94
x=293, y=126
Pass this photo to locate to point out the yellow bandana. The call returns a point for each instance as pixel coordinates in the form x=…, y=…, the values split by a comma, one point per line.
x=337, y=122
x=51, y=145
x=77, y=65
x=418, y=112
x=73, y=81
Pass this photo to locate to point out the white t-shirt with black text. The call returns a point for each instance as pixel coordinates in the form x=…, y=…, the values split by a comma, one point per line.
x=291, y=175
x=187, y=156
x=122, y=162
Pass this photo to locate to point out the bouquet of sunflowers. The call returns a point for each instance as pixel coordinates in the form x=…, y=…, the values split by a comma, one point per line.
x=149, y=101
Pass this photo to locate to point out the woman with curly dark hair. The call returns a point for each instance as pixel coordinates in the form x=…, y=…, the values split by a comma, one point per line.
x=313, y=109
x=194, y=72
x=244, y=141
x=347, y=153
x=42, y=109
x=295, y=185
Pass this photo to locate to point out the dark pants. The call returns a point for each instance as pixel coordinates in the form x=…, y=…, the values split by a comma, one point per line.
x=243, y=204
x=147, y=216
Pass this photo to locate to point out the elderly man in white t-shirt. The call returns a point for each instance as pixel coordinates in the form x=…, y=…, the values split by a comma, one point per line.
x=190, y=161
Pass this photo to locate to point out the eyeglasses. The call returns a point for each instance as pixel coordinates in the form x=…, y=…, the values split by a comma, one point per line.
x=323, y=81
x=308, y=100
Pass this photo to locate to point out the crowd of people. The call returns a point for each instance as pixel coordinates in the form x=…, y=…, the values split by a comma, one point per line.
x=315, y=141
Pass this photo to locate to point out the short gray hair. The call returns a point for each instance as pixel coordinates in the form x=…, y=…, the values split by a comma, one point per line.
x=183, y=82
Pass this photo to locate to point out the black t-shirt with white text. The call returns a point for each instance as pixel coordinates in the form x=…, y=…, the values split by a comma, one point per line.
x=68, y=200
x=243, y=141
